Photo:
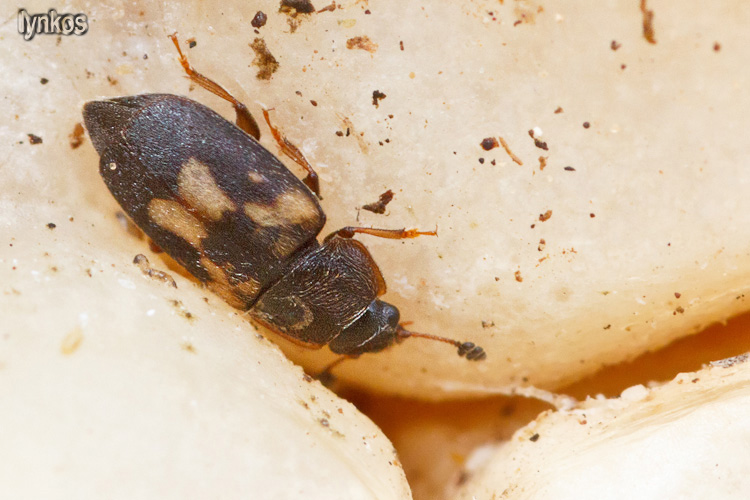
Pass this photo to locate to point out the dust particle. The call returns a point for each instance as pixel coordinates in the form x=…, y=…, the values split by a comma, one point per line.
x=377, y=96
x=362, y=43
x=299, y=6
x=259, y=20
x=265, y=61
x=143, y=264
x=648, y=23
x=513, y=157
x=72, y=342
x=181, y=310
x=76, y=137
x=378, y=207
x=537, y=142
x=489, y=143
x=726, y=363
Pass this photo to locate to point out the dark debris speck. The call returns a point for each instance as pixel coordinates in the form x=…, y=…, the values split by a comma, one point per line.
x=378, y=207
x=377, y=96
x=301, y=6
x=489, y=143
x=259, y=20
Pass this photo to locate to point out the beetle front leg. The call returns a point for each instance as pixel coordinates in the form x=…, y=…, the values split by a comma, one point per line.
x=245, y=120
x=326, y=377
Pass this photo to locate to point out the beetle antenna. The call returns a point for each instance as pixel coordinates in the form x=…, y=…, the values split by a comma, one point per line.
x=470, y=350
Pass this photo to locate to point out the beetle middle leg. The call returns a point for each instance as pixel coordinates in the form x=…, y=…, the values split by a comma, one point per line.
x=245, y=120
x=293, y=152
x=393, y=234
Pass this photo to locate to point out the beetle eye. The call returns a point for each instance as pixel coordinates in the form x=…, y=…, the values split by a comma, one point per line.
x=390, y=313
x=375, y=330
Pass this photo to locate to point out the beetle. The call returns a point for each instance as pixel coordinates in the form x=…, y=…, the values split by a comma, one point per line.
x=225, y=208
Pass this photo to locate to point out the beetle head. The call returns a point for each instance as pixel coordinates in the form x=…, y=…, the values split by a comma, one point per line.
x=379, y=328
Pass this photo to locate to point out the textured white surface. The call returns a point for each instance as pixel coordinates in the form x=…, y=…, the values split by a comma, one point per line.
x=662, y=167
x=686, y=439
x=115, y=385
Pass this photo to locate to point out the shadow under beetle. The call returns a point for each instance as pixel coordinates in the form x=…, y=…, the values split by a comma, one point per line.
x=237, y=219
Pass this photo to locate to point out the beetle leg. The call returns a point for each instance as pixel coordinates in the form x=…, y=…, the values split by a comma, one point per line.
x=326, y=377
x=154, y=247
x=394, y=234
x=293, y=152
x=245, y=120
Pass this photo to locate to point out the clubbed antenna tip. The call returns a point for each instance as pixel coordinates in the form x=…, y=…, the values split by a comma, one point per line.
x=469, y=350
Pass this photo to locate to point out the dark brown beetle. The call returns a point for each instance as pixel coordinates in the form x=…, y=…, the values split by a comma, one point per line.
x=237, y=219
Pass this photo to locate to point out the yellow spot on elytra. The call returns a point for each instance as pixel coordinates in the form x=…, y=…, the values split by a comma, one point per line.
x=285, y=244
x=292, y=304
x=237, y=295
x=292, y=207
x=173, y=217
x=249, y=288
x=199, y=190
x=307, y=315
x=72, y=341
x=256, y=177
